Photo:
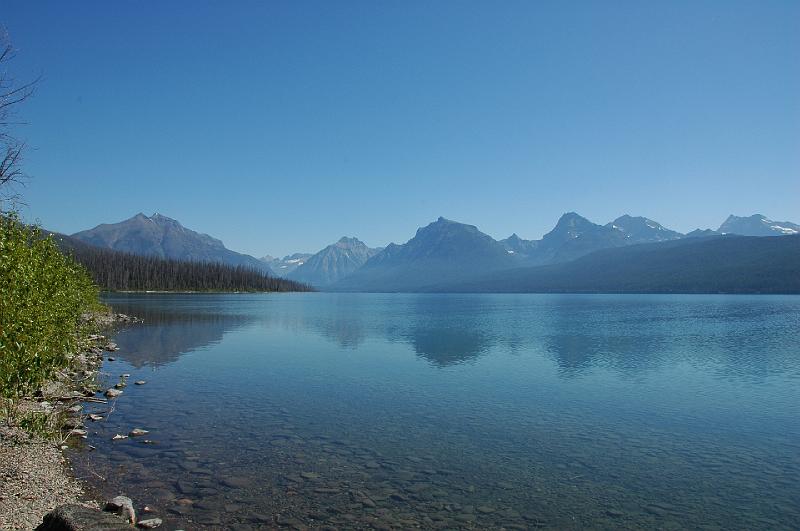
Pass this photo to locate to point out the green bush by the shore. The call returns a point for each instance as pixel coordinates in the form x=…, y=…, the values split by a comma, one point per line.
x=43, y=294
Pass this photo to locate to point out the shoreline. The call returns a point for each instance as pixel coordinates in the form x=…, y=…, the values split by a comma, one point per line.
x=36, y=476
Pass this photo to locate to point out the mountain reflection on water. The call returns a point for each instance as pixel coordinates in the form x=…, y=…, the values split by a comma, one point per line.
x=165, y=334
x=577, y=332
x=397, y=411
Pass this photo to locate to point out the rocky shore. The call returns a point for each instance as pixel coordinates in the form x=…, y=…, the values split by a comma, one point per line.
x=35, y=477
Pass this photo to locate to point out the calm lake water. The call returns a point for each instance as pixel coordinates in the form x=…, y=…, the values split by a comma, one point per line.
x=456, y=411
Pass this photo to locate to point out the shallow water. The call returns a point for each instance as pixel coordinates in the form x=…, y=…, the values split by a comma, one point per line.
x=456, y=411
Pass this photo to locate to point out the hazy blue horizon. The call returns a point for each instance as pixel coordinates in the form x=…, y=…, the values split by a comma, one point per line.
x=282, y=127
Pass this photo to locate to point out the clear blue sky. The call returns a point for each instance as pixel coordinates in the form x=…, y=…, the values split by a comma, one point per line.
x=281, y=126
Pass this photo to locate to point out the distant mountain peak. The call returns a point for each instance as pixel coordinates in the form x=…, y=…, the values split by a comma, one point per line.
x=758, y=225
x=516, y=245
x=286, y=265
x=572, y=219
x=441, y=248
x=159, y=235
x=444, y=223
x=165, y=220
x=331, y=263
x=571, y=225
x=701, y=233
x=639, y=229
x=349, y=240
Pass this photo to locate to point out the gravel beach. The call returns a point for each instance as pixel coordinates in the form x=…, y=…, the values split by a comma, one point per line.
x=34, y=479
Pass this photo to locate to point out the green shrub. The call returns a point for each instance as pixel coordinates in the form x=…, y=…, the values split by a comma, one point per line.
x=43, y=294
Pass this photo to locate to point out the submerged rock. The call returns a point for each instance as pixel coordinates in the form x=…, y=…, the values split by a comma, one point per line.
x=150, y=523
x=137, y=432
x=76, y=517
x=72, y=423
x=140, y=382
x=122, y=506
x=236, y=482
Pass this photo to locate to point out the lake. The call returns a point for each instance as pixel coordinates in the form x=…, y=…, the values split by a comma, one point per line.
x=455, y=411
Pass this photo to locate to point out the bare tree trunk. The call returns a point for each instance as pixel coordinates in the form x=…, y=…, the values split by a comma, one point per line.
x=11, y=95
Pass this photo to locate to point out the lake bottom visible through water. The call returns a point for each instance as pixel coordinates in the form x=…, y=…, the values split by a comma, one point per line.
x=454, y=412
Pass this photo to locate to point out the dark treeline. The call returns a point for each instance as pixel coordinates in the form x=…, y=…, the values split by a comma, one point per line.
x=120, y=271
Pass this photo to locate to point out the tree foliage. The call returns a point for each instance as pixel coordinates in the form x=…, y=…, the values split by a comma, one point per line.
x=44, y=294
x=120, y=271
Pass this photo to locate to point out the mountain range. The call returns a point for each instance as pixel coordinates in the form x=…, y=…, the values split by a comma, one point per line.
x=165, y=237
x=450, y=255
x=721, y=264
x=333, y=263
x=758, y=225
x=443, y=249
x=287, y=264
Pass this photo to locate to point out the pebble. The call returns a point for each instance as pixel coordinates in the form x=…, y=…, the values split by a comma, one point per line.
x=150, y=523
x=236, y=482
x=259, y=518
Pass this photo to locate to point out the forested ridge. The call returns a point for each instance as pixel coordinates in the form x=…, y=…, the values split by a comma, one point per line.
x=717, y=264
x=120, y=271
